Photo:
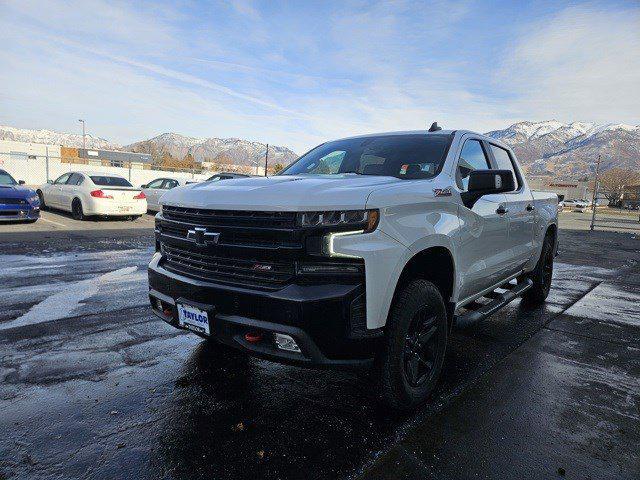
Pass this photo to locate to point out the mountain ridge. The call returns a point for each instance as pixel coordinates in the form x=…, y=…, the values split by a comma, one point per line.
x=549, y=147
x=570, y=150
x=218, y=150
x=232, y=150
x=51, y=137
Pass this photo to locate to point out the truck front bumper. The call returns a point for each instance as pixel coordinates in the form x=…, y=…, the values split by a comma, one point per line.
x=327, y=321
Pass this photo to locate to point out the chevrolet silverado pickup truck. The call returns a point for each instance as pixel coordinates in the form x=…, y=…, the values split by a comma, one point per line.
x=363, y=252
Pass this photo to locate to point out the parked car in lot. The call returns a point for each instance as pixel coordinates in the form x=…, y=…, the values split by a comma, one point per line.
x=362, y=252
x=580, y=206
x=93, y=194
x=17, y=202
x=156, y=188
x=226, y=176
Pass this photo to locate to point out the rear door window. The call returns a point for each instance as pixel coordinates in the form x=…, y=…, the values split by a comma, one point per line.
x=75, y=179
x=472, y=157
x=505, y=162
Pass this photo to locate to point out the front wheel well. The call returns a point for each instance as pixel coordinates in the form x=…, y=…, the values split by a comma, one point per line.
x=436, y=265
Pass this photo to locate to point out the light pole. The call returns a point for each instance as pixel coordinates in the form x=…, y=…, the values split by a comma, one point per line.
x=266, y=160
x=84, y=144
x=595, y=195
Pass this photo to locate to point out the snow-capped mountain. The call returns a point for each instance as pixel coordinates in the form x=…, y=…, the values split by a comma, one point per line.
x=50, y=137
x=224, y=150
x=570, y=150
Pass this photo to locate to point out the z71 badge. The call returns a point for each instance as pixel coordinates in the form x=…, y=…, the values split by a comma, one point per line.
x=442, y=192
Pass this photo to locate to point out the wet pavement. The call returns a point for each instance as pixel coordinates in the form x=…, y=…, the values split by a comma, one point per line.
x=92, y=385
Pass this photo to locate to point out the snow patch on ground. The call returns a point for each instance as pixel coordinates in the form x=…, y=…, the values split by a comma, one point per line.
x=62, y=303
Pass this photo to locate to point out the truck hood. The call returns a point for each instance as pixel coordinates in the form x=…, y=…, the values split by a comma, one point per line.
x=16, y=191
x=280, y=193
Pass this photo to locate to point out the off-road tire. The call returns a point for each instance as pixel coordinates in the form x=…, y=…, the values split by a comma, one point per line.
x=416, y=300
x=542, y=274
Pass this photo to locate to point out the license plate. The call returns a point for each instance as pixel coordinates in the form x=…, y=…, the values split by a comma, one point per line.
x=193, y=318
x=124, y=209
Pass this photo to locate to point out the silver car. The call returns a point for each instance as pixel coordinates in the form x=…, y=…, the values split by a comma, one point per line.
x=156, y=188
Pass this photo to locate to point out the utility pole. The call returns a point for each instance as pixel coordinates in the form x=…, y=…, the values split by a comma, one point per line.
x=595, y=195
x=84, y=144
x=46, y=160
x=266, y=160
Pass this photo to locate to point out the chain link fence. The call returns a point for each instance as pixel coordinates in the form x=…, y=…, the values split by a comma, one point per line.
x=39, y=169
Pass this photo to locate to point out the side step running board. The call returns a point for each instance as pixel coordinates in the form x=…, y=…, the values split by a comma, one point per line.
x=477, y=311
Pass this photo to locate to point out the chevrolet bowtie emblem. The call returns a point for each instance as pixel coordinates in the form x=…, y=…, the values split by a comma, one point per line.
x=200, y=236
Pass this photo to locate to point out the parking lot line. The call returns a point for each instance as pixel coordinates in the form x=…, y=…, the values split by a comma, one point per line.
x=51, y=221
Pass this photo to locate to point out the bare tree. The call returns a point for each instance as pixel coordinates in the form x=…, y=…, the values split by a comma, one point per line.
x=612, y=183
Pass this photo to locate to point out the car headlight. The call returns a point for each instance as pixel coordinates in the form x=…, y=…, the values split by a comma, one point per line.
x=365, y=220
x=34, y=199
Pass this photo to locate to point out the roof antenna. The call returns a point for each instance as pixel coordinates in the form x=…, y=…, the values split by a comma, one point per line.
x=434, y=127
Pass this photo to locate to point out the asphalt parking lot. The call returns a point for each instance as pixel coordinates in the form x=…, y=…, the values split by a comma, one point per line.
x=92, y=385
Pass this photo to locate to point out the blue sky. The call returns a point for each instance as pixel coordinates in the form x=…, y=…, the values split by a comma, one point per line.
x=299, y=73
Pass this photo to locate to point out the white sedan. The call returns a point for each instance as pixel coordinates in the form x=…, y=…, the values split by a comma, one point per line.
x=86, y=194
x=156, y=188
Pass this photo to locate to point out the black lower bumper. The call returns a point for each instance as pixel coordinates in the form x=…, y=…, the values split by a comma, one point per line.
x=8, y=214
x=325, y=320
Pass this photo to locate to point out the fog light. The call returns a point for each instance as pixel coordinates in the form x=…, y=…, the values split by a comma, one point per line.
x=285, y=342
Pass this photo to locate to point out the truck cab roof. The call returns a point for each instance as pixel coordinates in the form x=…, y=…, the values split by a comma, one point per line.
x=428, y=133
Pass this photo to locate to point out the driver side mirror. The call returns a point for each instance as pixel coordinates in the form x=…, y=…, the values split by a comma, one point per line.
x=20, y=182
x=487, y=182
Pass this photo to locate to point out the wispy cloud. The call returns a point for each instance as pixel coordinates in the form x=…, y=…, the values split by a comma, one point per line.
x=303, y=73
x=580, y=63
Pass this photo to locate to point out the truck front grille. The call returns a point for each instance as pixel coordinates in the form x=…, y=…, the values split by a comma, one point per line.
x=233, y=271
x=268, y=230
x=232, y=218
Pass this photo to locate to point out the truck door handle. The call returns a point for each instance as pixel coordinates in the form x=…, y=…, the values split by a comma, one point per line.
x=501, y=210
x=530, y=208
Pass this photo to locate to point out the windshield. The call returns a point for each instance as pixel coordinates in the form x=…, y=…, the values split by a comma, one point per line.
x=104, y=181
x=6, y=179
x=417, y=155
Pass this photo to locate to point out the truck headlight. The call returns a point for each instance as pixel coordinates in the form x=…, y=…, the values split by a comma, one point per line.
x=365, y=220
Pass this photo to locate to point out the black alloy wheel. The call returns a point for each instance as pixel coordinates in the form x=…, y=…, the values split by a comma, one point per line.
x=421, y=348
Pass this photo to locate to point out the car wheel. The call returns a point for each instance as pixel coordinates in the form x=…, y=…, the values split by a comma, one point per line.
x=76, y=209
x=41, y=197
x=542, y=274
x=410, y=362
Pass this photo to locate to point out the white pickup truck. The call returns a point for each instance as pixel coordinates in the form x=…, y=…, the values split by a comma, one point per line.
x=365, y=251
